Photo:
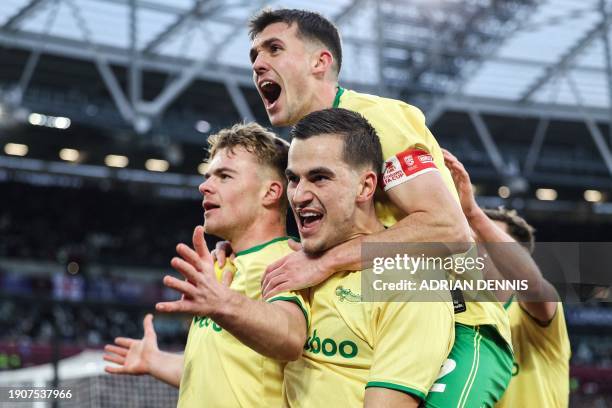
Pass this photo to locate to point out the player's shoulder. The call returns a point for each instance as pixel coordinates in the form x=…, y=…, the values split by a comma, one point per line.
x=367, y=103
x=265, y=253
x=553, y=332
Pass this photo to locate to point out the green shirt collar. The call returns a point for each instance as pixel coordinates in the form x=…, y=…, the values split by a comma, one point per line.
x=261, y=246
x=339, y=93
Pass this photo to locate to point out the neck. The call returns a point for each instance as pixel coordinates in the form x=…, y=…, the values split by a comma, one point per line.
x=324, y=96
x=260, y=231
x=366, y=222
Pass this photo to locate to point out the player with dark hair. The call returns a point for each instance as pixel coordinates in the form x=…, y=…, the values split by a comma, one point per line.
x=539, y=334
x=392, y=349
x=296, y=59
x=245, y=203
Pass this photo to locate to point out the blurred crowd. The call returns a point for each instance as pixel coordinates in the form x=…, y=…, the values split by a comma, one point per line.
x=81, y=287
x=117, y=226
x=23, y=323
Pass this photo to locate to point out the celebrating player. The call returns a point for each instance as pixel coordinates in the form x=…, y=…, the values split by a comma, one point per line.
x=245, y=203
x=296, y=57
x=539, y=335
x=393, y=349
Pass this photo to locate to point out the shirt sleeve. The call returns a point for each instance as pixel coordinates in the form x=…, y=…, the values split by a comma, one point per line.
x=411, y=342
x=297, y=297
x=406, y=142
x=551, y=338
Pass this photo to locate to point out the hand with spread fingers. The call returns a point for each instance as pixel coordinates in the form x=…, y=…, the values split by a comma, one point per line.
x=133, y=356
x=203, y=294
x=462, y=183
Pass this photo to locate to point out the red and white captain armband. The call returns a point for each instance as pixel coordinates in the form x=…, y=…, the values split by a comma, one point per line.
x=405, y=166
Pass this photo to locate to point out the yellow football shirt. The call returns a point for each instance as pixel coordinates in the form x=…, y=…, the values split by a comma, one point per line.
x=409, y=149
x=219, y=371
x=353, y=345
x=541, y=370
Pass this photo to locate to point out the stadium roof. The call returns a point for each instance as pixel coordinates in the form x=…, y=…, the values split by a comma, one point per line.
x=545, y=60
x=519, y=51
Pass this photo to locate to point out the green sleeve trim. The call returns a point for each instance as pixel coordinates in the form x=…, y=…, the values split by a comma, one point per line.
x=296, y=300
x=509, y=302
x=397, y=387
x=261, y=246
x=537, y=321
x=338, y=95
x=534, y=319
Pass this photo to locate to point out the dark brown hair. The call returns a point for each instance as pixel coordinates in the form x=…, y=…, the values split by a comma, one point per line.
x=518, y=228
x=361, y=143
x=312, y=26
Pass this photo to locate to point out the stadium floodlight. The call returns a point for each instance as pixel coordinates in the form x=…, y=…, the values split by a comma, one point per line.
x=37, y=119
x=202, y=126
x=115, y=160
x=70, y=155
x=16, y=149
x=62, y=122
x=503, y=191
x=546, y=194
x=156, y=165
x=202, y=168
x=593, y=196
x=57, y=122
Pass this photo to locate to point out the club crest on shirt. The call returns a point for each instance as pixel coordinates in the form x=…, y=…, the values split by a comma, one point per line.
x=347, y=295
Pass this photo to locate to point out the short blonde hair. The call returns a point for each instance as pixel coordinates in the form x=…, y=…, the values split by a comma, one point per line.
x=269, y=149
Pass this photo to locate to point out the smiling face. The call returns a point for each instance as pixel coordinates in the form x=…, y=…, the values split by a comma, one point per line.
x=232, y=192
x=282, y=73
x=322, y=191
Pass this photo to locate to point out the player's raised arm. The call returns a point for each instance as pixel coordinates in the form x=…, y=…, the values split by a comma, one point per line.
x=143, y=357
x=511, y=259
x=431, y=216
x=276, y=330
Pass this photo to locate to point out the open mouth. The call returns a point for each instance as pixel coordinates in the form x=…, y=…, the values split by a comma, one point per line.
x=209, y=206
x=270, y=91
x=309, y=220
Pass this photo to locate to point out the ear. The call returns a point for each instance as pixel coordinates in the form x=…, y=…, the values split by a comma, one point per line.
x=367, y=186
x=274, y=193
x=323, y=60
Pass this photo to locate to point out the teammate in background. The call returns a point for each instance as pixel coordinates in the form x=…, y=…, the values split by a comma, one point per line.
x=392, y=349
x=245, y=203
x=539, y=334
x=296, y=58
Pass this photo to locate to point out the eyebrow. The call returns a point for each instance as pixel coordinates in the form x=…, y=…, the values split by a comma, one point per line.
x=312, y=172
x=321, y=170
x=265, y=44
x=219, y=171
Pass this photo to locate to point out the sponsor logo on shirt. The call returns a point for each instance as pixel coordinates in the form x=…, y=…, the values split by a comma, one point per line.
x=330, y=347
x=204, y=322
